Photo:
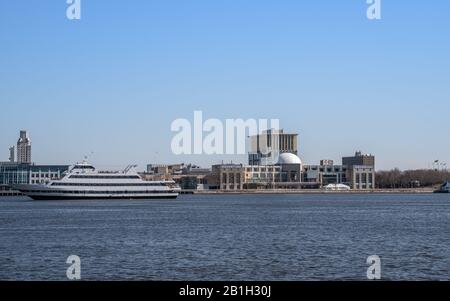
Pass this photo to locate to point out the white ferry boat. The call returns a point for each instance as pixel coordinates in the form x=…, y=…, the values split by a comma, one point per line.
x=83, y=182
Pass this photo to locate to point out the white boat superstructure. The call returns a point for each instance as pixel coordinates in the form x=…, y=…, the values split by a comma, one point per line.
x=83, y=181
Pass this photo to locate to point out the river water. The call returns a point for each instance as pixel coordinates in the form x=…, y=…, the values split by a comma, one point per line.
x=229, y=237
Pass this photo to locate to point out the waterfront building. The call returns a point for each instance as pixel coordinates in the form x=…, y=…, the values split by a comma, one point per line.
x=262, y=176
x=187, y=176
x=194, y=182
x=362, y=177
x=26, y=173
x=229, y=176
x=164, y=171
x=357, y=172
x=360, y=171
x=291, y=168
x=24, y=148
x=324, y=175
x=285, y=174
x=265, y=148
x=192, y=169
x=194, y=177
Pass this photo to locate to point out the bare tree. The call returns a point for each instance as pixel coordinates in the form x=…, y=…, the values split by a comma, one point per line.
x=411, y=178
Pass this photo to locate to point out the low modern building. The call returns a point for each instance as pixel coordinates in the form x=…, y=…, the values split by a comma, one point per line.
x=262, y=176
x=286, y=174
x=27, y=173
x=325, y=174
x=358, y=172
x=164, y=172
x=362, y=177
x=188, y=176
x=229, y=176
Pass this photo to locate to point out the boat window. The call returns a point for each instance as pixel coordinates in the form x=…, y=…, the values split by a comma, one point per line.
x=102, y=177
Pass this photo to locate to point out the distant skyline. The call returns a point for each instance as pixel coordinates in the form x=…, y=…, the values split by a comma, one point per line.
x=110, y=85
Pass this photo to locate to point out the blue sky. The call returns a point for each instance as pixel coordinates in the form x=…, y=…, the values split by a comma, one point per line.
x=111, y=83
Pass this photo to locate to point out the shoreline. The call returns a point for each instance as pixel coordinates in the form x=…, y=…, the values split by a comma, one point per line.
x=304, y=191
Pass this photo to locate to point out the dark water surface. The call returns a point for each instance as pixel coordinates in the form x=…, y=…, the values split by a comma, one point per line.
x=245, y=237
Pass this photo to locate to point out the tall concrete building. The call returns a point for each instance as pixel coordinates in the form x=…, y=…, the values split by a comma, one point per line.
x=268, y=146
x=359, y=159
x=11, y=154
x=24, y=148
x=360, y=170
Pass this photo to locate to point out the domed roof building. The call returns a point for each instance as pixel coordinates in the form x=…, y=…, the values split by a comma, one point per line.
x=288, y=158
x=291, y=167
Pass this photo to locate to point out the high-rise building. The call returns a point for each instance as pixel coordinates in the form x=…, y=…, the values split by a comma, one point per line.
x=268, y=146
x=11, y=154
x=24, y=148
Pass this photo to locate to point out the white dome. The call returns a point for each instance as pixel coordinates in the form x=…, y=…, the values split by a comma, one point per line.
x=288, y=158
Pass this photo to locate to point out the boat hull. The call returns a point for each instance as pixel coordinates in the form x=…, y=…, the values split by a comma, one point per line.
x=80, y=198
x=38, y=192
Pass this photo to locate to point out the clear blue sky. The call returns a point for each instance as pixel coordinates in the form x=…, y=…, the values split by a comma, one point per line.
x=112, y=82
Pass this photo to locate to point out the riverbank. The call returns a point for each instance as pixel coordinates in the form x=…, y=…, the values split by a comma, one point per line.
x=310, y=191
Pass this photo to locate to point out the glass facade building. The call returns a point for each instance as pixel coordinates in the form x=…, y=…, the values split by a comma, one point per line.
x=25, y=173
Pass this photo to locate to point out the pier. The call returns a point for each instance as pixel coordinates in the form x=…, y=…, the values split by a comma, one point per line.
x=5, y=190
x=10, y=193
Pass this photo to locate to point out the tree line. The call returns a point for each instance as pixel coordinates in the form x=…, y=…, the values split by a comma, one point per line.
x=411, y=178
